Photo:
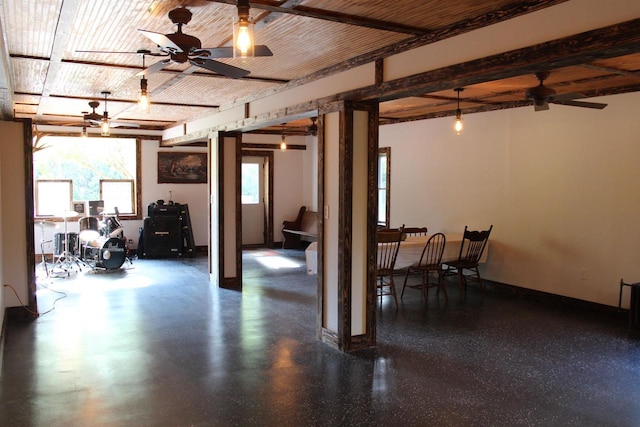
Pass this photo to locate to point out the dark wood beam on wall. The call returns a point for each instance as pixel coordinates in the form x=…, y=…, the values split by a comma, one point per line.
x=615, y=40
x=513, y=10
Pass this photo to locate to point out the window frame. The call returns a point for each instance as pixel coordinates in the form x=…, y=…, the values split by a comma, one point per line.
x=138, y=179
x=386, y=151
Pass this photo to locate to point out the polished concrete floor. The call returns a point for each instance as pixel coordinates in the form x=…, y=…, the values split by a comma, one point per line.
x=156, y=345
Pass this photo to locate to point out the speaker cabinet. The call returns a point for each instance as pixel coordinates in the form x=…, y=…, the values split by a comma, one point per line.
x=162, y=237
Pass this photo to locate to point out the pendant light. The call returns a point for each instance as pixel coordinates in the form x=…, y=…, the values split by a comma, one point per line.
x=144, y=101
x=84, y=133
x=105, y=117
x=243, y=41
x=458, y=123
x=283, y=141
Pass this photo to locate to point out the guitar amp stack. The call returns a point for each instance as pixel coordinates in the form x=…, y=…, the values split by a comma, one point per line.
x=167, y=231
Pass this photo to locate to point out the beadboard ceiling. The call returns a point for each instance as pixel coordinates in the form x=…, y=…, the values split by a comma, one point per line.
x=49, y=79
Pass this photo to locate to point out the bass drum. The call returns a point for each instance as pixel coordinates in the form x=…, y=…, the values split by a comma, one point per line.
x=111, y=254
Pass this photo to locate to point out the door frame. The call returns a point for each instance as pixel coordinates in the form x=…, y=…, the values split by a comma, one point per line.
x=268, y=191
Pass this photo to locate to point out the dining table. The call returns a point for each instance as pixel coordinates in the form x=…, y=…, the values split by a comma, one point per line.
x=411, y=249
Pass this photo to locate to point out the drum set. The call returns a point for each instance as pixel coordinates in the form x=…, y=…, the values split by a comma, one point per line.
x=99, y=245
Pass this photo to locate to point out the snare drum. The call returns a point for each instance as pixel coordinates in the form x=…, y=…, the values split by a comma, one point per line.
x=59, y=242
x=112, y=227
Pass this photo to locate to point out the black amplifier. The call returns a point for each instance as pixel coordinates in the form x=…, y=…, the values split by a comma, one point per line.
x=158, y=210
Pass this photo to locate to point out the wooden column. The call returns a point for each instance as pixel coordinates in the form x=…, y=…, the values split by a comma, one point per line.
x=348, y=145
x=229, y=227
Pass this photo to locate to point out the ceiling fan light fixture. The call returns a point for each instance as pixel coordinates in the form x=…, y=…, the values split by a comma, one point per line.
x=144, y=101
x=83, y=134
x=458, y=126
x=104, y=124
x=243, y=41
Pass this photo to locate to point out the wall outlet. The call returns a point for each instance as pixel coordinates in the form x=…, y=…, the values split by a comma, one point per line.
x=326, y=212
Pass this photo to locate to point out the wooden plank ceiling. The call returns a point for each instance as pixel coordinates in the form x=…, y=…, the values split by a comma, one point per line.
x=53, y=80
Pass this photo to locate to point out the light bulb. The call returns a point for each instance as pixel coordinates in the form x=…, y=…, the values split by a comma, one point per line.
x=283, y=144
x=144, y=102
x=144, y=95
x=84, y=132
x=458, y=124
x=243, y=44
x=105, y=127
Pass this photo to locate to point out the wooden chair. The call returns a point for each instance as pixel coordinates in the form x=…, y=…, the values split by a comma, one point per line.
x=388, y=245
x=471, y=249
x=416, y=231
x=430, y=261
x=412, y=231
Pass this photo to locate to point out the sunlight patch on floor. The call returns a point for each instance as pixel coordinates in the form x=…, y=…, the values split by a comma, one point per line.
x=277, y=262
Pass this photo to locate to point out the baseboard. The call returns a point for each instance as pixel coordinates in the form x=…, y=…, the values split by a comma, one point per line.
x=555, y=299
x=2, y=335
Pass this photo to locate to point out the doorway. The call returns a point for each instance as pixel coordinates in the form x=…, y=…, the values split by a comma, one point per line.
x=256, y=198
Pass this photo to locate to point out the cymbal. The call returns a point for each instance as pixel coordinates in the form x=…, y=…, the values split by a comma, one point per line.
x=48, y=224
x=68, y=214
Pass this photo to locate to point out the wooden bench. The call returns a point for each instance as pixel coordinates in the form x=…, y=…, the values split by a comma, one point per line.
x=304, y=227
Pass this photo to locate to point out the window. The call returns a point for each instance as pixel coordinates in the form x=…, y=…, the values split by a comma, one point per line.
x=53, y=197
x=384, y=186
x=92, y=169
x=118, y=195
x=250, y=183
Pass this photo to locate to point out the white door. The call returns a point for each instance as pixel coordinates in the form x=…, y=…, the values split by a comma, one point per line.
x=253, y=214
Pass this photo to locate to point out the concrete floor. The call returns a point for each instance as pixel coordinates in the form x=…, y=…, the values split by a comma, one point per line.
x=156, y=345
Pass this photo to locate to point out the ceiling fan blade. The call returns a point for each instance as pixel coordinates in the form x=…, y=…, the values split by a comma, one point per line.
x=161, y=40
x=154, y=68
x=227, y=52
x=262, y=50
x=148, y=53
x=123, y=124
x=93, y=117
x=220, y=68
x=584, y=104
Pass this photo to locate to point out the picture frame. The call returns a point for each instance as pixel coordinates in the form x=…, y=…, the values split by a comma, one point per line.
x=79, y=206
x=182, y=167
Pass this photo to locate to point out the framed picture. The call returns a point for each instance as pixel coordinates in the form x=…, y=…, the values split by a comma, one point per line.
x=182, y=168
x=80, y=207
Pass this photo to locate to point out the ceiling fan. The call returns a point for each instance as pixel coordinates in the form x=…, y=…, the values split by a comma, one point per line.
x=181, y=48
x=94, y=119
x=542, y=96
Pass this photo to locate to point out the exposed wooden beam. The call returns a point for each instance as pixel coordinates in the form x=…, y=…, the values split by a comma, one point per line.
x=6, y=77
x=504, y=105
x=464, y=26
x=612, y=70
x=68, y=11
x=329, y=15
x=615, y=40
x=249, y=145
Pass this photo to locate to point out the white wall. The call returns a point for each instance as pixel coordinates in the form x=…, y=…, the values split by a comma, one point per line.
x=194, y=195
x=560, y=187
x=13, y=260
